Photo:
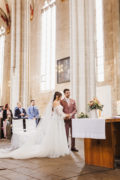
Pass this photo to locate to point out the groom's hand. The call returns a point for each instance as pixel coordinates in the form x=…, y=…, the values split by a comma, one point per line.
x=67, y=117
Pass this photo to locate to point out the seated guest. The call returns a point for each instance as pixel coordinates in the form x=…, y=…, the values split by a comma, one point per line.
x=7, y=121
x=33, y=112
x=20, y=111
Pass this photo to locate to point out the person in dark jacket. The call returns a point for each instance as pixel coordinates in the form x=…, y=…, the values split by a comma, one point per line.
x=7, y=121
x=20, y=112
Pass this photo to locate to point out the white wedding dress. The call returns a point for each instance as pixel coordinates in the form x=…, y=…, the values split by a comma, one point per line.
x=49, y=140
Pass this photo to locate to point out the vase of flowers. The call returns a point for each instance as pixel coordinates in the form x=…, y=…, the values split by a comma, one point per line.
x=95, y=107
x=93, y=113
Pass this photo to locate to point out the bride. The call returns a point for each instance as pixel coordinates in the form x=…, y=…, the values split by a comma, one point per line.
x=49, y=139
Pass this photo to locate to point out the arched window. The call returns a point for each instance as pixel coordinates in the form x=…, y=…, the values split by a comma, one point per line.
x=100, y=40
x=2, y=44
x=48, y=46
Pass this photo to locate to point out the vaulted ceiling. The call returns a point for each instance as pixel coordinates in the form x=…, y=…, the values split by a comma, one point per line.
x=5, y=13
x=5, y=6
x=2, y=5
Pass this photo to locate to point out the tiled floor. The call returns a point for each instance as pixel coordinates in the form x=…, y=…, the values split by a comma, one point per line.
x=71, y=167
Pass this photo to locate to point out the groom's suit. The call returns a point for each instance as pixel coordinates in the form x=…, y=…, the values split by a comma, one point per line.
x=69, y=108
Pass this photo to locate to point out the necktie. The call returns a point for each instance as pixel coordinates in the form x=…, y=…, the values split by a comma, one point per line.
x=34, y=111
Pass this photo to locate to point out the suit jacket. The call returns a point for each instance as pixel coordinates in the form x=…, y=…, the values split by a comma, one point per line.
x=69, y=109
x=5, y=114
x=33, y=112
x=18, y=112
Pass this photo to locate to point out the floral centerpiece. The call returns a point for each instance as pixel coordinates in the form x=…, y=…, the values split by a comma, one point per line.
x=95, y=107
x=95, y=104
x=82, y=115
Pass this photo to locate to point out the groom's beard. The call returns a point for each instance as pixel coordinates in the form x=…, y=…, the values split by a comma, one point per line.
x=68, y=97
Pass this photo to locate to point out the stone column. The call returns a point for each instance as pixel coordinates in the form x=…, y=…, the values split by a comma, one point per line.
x=82, y=55
x=15, y=52
x=82, y=33
x=25, y=90
x=77, y=53
x=90, y=49
x=13, y=19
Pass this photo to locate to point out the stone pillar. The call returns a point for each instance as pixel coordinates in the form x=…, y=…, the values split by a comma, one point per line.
x=77, y=53
x=20, y=52
x=15, y=52
x=82, y=52
x=90, y=49
x=13, y=17
x=25, y=90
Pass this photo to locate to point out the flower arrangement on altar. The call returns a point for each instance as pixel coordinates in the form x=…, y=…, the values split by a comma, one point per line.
x=95, y=104
x=82, y=115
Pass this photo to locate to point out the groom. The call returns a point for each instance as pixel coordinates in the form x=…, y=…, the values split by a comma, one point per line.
x=69, y=107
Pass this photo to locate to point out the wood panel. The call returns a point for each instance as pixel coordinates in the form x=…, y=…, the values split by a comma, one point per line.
x=116, y=139
x=100, y=152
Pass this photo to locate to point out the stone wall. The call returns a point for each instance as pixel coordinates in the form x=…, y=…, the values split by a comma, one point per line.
x=62, y=35
x=62, y=49
x=111, y=50
x=32, y=83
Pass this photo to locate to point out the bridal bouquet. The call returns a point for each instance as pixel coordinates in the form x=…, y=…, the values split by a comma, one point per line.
x=82, y=115
x=95, y=104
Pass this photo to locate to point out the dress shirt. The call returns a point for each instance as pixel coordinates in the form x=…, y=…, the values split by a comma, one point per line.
x=21, y=110
x=33, y=112
x=67, y=100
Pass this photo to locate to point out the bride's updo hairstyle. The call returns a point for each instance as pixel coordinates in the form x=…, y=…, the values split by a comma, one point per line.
x=57, y=94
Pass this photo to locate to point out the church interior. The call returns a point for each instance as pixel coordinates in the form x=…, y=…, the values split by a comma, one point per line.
x=51, y=45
